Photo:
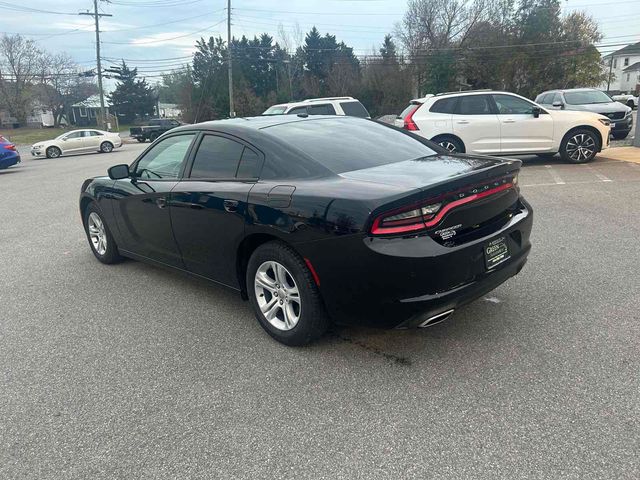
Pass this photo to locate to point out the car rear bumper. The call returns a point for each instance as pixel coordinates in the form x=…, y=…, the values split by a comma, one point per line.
x=7, y=162
x=399, y=282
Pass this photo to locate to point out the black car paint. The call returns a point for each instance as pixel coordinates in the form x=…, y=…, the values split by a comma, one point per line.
x=208, y=227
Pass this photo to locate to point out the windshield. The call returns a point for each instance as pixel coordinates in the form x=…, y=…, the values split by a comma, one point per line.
x=586, y=97
x=275, y=110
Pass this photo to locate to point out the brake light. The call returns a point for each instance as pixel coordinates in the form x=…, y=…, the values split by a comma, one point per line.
x=11, y=146
x=409, y=124
x=429, y=213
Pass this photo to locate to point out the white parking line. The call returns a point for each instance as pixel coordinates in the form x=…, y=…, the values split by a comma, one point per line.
x=602, y=177
x=556, y=178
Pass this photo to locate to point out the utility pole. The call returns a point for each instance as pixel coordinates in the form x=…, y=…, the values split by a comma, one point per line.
x=97, y=16
x=232, y=112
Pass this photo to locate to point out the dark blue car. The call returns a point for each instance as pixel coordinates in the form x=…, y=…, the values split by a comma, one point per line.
x=9, y=155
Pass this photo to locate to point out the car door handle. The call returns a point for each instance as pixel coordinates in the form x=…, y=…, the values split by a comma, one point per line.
x=231, y=206
x=161, y=202
x=509, y=120
x=463, y=122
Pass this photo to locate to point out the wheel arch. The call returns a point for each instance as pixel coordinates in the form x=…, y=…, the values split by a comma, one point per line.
x=438, y=137
x=593, y=130
x=245, y=249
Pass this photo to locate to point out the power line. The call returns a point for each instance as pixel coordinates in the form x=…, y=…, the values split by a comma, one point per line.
x=161, y=40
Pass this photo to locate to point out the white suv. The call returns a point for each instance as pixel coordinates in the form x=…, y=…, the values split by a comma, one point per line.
x=348, y=106
x=503, y=123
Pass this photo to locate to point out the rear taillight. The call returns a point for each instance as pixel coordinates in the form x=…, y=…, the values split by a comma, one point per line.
x=429, y=213
x=409, y=124
x=11, y=146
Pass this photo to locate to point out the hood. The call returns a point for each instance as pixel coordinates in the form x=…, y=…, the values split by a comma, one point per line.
x=602, y=108
x=46, y=143
x=428, y=171
x=570, y=114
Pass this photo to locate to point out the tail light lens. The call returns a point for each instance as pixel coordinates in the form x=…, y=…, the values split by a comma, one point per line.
x=409, y=124
x=11, y=146
x=429, y=213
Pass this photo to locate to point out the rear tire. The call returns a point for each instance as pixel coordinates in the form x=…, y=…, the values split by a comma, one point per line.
x=275, y=271
x=53, y=152
x=450, y=143
x=100, y=239
x=579, y=146
x=106, y=147
x=153, y=136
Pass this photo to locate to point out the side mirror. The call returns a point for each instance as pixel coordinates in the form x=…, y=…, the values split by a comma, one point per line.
x=64, y=139
x=558, y=104
x=536, y=111
x=118, y=172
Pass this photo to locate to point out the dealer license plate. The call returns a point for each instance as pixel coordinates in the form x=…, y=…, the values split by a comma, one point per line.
x=496, y=252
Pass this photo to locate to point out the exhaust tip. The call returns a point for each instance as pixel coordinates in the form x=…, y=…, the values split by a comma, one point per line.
x=439, y=318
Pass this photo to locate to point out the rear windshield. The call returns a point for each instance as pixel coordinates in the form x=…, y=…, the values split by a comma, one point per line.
x=354, y=109
x=587, y=97
x=275, y=110
x=347, y=144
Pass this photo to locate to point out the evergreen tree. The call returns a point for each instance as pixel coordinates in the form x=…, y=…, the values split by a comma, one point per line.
x=131, y=97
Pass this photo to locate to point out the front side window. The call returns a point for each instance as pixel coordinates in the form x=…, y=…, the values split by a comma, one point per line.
x=321, y=109
x=474, y=105
x=165, y=159
x=217, y=157
x=297, y=110
x=512, y=105
x=74, y=135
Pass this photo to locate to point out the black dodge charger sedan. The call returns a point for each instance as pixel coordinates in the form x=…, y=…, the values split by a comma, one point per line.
x=316, y=219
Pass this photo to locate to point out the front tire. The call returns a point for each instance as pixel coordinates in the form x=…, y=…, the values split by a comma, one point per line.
x=100, y=239
x=53, y=152
x=631, y=104
x=106, y=147
x=579, y=146
x=284, y=296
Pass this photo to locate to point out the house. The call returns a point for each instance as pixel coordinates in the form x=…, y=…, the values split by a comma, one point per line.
x=168, y=110
x=624, y=65
x=38, y=117
x=86, y=112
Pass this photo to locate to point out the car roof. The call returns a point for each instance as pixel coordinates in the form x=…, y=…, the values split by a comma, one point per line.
x=306, y=102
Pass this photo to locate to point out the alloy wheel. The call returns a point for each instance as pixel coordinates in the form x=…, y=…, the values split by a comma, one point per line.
x=277, y=295
x=106, y=147
x=448, y=146
x=581, y=147
x=54, y=152
x=97, y=233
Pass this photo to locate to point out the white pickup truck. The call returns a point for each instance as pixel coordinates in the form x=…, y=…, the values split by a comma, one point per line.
x=627, y=99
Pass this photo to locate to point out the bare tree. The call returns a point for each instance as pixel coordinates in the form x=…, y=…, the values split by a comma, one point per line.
x=20, y=61
x=61, y=84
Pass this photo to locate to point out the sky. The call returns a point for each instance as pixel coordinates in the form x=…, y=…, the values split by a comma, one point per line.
x=158, y=35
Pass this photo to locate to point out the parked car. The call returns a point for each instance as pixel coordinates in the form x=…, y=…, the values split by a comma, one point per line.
x=590, y=100
x=503, y=123
x=342, y=106
x=629, y=100
x=154, y=129
x=9, y=155
x=78, y=141
x=316, y=219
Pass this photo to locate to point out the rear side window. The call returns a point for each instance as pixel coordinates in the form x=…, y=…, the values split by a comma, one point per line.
x=354, y=109
x=474, y=105
x=354, y=144
x=321, y=109
x=217, y=157
x=444, y=105
x=249, y=164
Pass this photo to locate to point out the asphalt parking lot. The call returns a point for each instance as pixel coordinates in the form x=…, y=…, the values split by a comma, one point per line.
x=131, y=371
